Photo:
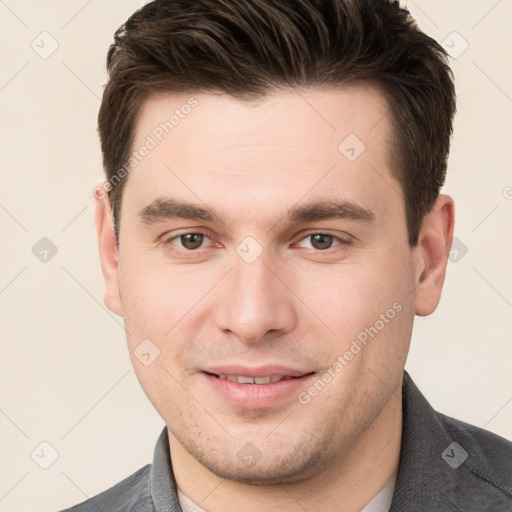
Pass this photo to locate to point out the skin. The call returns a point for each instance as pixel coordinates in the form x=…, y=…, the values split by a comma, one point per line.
x=295, y=305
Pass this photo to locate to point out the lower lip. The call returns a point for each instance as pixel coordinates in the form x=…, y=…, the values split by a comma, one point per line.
x=258, y=396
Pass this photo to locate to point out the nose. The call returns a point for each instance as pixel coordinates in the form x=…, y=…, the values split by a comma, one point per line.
x=254, y=304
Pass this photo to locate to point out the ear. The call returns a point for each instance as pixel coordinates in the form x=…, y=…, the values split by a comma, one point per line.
x=108, y=249
x=431, y=254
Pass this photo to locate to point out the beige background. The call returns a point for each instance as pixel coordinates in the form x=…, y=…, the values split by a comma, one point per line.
x=65, y=375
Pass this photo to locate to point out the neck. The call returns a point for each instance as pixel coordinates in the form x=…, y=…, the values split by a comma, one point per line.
x=347, y=485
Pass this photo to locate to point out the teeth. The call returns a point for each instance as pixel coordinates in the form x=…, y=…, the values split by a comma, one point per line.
x=262, y=380
x=244, y=380
x=241, y=379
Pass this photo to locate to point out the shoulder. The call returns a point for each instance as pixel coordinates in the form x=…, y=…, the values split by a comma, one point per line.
x=448, y=465
x=488, y=457
x=133, y=494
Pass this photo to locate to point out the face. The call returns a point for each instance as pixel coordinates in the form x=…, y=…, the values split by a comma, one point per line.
x=266, y=241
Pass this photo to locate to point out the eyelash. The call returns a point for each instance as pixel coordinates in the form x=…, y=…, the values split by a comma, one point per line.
x=168, y=242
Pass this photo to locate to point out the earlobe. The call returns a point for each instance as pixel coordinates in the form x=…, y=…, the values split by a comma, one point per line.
x=107, y=249
x=432, y=253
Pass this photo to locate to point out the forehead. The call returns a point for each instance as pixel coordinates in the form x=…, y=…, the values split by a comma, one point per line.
x=217, y=149
x=315, y=114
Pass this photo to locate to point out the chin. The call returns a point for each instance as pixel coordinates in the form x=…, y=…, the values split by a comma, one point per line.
x=261, y=468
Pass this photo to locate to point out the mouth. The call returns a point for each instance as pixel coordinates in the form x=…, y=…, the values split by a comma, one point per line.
x=257, y=388
x=243, y=379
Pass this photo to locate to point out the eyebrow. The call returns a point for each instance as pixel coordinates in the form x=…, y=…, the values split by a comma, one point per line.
x=165, y=208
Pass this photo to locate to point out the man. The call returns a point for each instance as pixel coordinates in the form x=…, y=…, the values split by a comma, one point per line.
x=270, y=225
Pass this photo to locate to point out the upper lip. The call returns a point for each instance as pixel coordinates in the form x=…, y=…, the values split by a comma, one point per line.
x=260, y=371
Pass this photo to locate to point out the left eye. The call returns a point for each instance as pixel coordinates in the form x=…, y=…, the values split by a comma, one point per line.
x=322, y=241
x=189, y=241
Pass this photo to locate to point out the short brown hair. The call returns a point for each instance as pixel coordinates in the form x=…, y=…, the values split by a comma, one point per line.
x=247, y=48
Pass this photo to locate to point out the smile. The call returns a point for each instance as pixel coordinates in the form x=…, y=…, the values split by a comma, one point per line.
x=267, y=387
x=242, y=379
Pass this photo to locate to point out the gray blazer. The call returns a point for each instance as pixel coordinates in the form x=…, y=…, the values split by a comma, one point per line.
x=445, y=466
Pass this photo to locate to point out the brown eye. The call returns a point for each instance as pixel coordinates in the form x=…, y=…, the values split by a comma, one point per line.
x=191, y=241
x=321, y=241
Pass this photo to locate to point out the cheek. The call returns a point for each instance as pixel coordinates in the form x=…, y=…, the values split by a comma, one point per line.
x=154, y=304
x=154, y=296
x=346, y=298
x=363, y=304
